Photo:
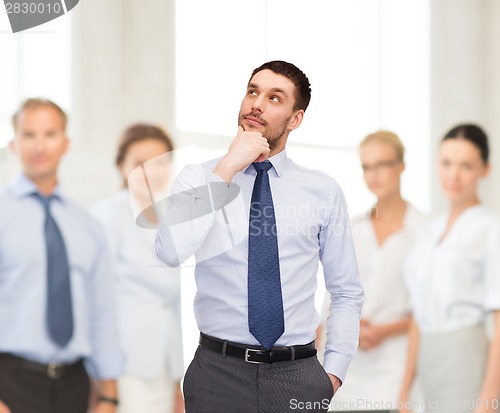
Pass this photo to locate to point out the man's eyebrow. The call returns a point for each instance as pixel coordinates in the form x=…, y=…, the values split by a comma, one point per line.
x=278, y=90
x=274, y=89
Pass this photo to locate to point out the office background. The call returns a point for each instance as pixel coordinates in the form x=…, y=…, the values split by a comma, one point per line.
x=412, y=66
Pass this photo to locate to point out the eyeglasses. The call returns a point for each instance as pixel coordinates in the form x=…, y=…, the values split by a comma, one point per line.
x=382, y=165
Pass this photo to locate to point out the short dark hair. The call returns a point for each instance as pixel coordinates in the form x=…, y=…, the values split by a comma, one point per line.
x=141, y=132
x=472, y=133
x=35, y=103
x=297, y=76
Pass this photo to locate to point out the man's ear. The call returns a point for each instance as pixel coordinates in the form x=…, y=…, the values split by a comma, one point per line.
x=67, y=143
x=487, y=169
x=296, y=119
x=403, y=166
x=13, y=146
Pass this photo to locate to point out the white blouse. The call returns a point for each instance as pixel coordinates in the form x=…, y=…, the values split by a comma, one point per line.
x=375, y=375
x=456, y=282
x=381, y=267
x=148, y=293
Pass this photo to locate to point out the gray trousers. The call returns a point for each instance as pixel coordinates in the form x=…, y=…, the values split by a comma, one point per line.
x=221, y=384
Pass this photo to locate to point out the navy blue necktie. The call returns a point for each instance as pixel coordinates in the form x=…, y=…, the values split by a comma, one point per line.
x=59, y=308
x=265, y=302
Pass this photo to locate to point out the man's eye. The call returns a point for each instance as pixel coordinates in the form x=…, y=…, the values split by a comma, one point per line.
x=275, y=99
x=252, y=92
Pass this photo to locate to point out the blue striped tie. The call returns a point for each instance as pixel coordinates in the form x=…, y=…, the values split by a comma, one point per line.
x=265, y=302
x=59, y=307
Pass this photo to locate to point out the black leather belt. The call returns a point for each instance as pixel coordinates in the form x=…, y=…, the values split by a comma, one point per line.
x=51, y=370
x=257, y=355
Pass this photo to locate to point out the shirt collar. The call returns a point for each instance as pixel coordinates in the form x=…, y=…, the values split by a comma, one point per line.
x=279, y=161
x=22, y=186
x=409, y=221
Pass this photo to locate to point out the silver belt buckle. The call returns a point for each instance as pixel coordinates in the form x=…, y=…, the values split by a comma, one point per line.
x=52, y=371
x=247, y=355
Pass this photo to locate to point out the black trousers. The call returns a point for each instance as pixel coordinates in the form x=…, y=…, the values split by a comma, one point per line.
x=25, y=387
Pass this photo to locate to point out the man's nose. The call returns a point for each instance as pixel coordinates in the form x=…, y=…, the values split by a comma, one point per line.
x=258, y=104
x=39, y=143
x=455, y=174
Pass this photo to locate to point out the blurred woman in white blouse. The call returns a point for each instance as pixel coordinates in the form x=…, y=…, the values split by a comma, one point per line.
x=453, y=275
x=382, y=239
x=148, y=292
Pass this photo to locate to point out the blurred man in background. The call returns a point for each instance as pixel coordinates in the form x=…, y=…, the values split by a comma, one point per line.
x=57, y=312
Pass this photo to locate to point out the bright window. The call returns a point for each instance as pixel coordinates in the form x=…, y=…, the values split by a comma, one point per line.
x=368, y=63
x=35, y=63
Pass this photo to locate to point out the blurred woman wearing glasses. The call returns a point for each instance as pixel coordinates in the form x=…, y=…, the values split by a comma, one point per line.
x=453, y=275
x=382, y=239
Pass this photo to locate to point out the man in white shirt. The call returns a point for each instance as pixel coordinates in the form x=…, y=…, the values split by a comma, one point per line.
x=258, y=355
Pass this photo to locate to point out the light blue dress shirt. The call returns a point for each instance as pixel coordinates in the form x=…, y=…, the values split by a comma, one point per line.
x=312, y=225
x=23, y=283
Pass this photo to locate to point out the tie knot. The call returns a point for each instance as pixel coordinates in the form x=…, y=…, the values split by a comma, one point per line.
x=45, y=200
x=262, y=166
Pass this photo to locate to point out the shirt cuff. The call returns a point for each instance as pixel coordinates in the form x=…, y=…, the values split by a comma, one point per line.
x=221, y=193
x=213, y=177
x=336, y=364
x=105, y=367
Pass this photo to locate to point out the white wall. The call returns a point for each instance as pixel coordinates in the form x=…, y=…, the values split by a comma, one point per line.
x=465, y=77
x=124, y=71
x=492, y=73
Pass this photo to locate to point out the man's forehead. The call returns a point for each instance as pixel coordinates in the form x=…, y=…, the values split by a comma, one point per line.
x=39, y=112
x=270, y=80
x=39, y=116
